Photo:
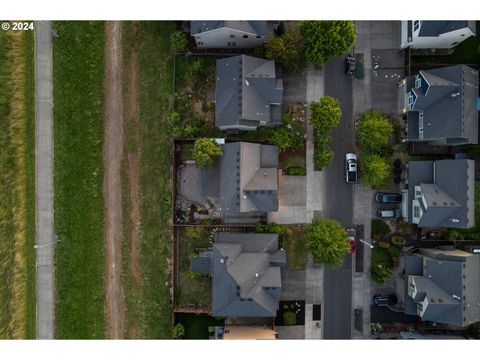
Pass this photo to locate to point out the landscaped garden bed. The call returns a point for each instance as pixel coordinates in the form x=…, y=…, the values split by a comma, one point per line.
x=198, y=326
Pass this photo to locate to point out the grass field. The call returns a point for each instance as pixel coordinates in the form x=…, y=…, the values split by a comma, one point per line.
x=148, y=305
x=78, y=70
x=17, y=186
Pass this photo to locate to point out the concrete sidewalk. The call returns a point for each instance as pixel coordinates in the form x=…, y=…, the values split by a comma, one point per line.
x=44, y=179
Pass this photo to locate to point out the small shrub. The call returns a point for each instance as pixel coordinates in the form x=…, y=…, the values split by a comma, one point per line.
x=289, y=318
x=379, y=273
x=376, y=328
x=194, y=275
x=452, y=235
x=383, y=244
x=299, y=171
x=379, y=229
x=289, y=135
x=194, y=232
x=178, y=331
x=272, y=228
x=393, y=251
x=178, y=41
x=398, y=240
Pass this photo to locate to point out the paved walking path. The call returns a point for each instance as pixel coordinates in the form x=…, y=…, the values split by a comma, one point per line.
x=315, y=179
x=44, y=179
x=315, y=190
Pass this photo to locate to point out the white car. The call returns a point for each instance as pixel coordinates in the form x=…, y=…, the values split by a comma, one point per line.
x=351, y=168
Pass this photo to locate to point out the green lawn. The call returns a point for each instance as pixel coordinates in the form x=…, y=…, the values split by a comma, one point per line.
x=295, y=247
x=17, y=186
x=78, y=72
x=192, y=289
x=148, y=305
x=30, y=178
x=196, y=326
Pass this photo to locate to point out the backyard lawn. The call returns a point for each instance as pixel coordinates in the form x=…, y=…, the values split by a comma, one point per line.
x=196, y=326
x=295, y=247
x=192, y=288
x=78, y=70
x=17, y=186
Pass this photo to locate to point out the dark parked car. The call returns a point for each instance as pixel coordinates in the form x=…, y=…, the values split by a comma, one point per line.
x=385, y=300
x=381, y=197
x=350, y=65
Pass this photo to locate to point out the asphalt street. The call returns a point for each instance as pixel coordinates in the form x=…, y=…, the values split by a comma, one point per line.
x=339, y=203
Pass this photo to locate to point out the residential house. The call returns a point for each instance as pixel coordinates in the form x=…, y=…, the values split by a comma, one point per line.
x=443, y=286
x=243, y=180
x=245, y=271
x=231, y=34
x=426, y=34
x=441, y=105
x=440, y=193
x=248, y=93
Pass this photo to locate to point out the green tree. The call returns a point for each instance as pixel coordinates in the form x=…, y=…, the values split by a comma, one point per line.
x=328, y=241
x=178, y=41
x=322, y=157
x=178, y=331
x=374, y=132
x=375, y=170
x=289, y=135
x=206, y=151
x=325, y=114
x=325, y=39
x=287, y=49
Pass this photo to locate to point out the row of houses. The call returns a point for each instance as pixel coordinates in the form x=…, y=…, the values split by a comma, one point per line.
x=415, y=34
x=440, y=108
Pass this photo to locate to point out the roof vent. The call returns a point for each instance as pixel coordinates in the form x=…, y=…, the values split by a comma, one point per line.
x=247, y=83
x=222, y=261
x=455, y=94
x=256, y=275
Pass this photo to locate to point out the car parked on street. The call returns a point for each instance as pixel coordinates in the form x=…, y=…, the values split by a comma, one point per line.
x=351, y=240
x=350, y=168
x=388, y=214
x=384, y=299
x=350, y=65
x=381, y=197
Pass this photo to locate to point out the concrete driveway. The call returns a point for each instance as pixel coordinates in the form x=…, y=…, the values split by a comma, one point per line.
x=292, y=199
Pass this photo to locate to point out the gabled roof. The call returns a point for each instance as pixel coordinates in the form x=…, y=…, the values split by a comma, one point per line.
x=450, y=280
x=249, y=177
x=449, y=186
x=245, y=281
x=246, y=89
x=436, y=28
x=260, y=28
x=448, y=102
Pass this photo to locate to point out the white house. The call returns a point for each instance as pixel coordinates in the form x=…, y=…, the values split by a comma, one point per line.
x=231, y=34
x=423, y=34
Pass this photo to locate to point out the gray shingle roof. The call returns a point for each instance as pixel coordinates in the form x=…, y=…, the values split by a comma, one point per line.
x=260, y=28
x=436, y=28
x=246, y=283
x=450, y=281
x=449, y=190
x=246, y=88
x=448, y=103
x=249, y=177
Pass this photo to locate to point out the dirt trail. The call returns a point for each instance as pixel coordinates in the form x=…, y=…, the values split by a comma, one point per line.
x=112, y=186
